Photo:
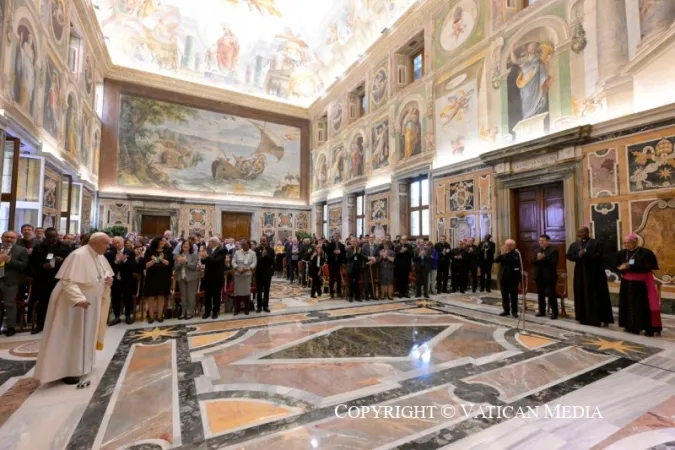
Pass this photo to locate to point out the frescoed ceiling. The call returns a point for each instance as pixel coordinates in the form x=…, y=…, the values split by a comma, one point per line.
x=287, y=50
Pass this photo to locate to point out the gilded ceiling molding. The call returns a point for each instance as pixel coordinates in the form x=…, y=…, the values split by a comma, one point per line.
x=199, y=90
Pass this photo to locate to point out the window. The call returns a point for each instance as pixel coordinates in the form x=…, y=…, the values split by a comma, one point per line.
x=322, y=129
x=29, y=191
x=358, y=102
x=98, y=99
x=325, y=220
x=419, y=208
x=75, y=208
x=410, y=61
x=74, y=45
x=418, y=66
x=360, y=215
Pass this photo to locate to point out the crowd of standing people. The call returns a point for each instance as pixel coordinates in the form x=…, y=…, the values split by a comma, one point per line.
x=362, y=268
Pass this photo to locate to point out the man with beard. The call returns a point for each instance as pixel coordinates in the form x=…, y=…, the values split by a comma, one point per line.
x=444, y=250
x=460, y=268
x=402, y=265
x=591, y=293
x=44, y=263
x=473, y=257
x=264, y=271
x=335, y=252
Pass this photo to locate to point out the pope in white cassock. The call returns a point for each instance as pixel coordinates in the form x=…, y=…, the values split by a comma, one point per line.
x=72, y=332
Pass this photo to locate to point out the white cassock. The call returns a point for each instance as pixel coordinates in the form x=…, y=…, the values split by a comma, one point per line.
x=68, y=345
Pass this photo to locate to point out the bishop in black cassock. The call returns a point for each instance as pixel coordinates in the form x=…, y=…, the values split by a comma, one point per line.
x=591, y=292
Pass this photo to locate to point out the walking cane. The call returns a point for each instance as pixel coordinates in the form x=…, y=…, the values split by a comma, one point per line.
x=83, y=382
x=372, y=281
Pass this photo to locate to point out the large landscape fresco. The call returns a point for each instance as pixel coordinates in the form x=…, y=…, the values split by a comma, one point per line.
x=170, y=146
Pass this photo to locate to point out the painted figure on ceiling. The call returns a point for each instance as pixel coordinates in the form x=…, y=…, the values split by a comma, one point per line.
x=24, y=69
x=457, y=105
x=533, y=80
x=412, y=131
x=227, y=51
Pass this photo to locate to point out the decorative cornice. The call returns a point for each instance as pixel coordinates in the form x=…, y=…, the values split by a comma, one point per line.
x=546, y=144
x=199, y=90
x=93, y=34
x=470, y=165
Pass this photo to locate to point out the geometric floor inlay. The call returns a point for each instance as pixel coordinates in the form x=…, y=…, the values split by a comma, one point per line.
x=278, y=381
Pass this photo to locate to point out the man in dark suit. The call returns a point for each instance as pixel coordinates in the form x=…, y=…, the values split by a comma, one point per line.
x=264, y=271
x=370, y=252
x=13, y=263
x=122, y=261
x=487, y=259
x=460, y=268
x=422, y=270
x=44, y=263
x=444, y=250
x=545, y=262
x=354, y=262
x=472, y=262
x=336, y=254
x=509, y=277
x=402, y=265
x=213, y=259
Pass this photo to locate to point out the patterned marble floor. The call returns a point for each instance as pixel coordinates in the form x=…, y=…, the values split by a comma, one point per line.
x=450, y=371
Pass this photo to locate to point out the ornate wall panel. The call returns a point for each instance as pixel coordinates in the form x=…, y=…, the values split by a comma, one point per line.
x=50, y=199
x=656, y=230
x=334, y=219
x=603, y=173
x=378, y=214
x=277, y=224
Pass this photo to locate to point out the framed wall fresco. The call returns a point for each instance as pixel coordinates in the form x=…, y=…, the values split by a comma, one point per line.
x=50, y=198
x=158, y=148
x=176, y=143
x=651, y=165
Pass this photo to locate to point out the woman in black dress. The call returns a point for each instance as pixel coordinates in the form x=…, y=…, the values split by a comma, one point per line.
x=158, y=266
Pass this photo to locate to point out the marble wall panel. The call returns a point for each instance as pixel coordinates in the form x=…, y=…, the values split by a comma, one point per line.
x=603, y=173
x=656, y=229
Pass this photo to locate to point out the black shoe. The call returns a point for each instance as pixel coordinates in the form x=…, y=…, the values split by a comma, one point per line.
x=160, y=319
x=482, y=290
x=554, y=316
x=515, y=315
x=258, y=310
x=37, y=330
x=488, y=290
x=205, y=315
x=115, y=321
x=181, y=317
x=649, y=333
x=188, y=317
x=71, y=380
x=9, y=332
x=313, y=296
x=504, y=314
x=214, y=315
x=540, y=314
x=129, y=320
x=267, y=310
x=236, y=313
x=426, y=295
x=246, y=313
x=151, y=320
x=351, y=301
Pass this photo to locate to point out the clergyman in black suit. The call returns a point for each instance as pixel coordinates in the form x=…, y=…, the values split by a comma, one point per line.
x=336, y=254
x=546, y=275
x=13, y=263
x=263, y=274
x=487, y=259
x=509, y=277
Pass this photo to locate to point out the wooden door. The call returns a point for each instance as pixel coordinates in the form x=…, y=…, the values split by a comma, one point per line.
x=236, y=225
x=540, y=210
x=152, y=226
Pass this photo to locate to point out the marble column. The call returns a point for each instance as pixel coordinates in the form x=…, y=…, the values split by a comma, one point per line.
x=612, y=37
x=318, y=223
x=349, y=215
x=655, y=17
